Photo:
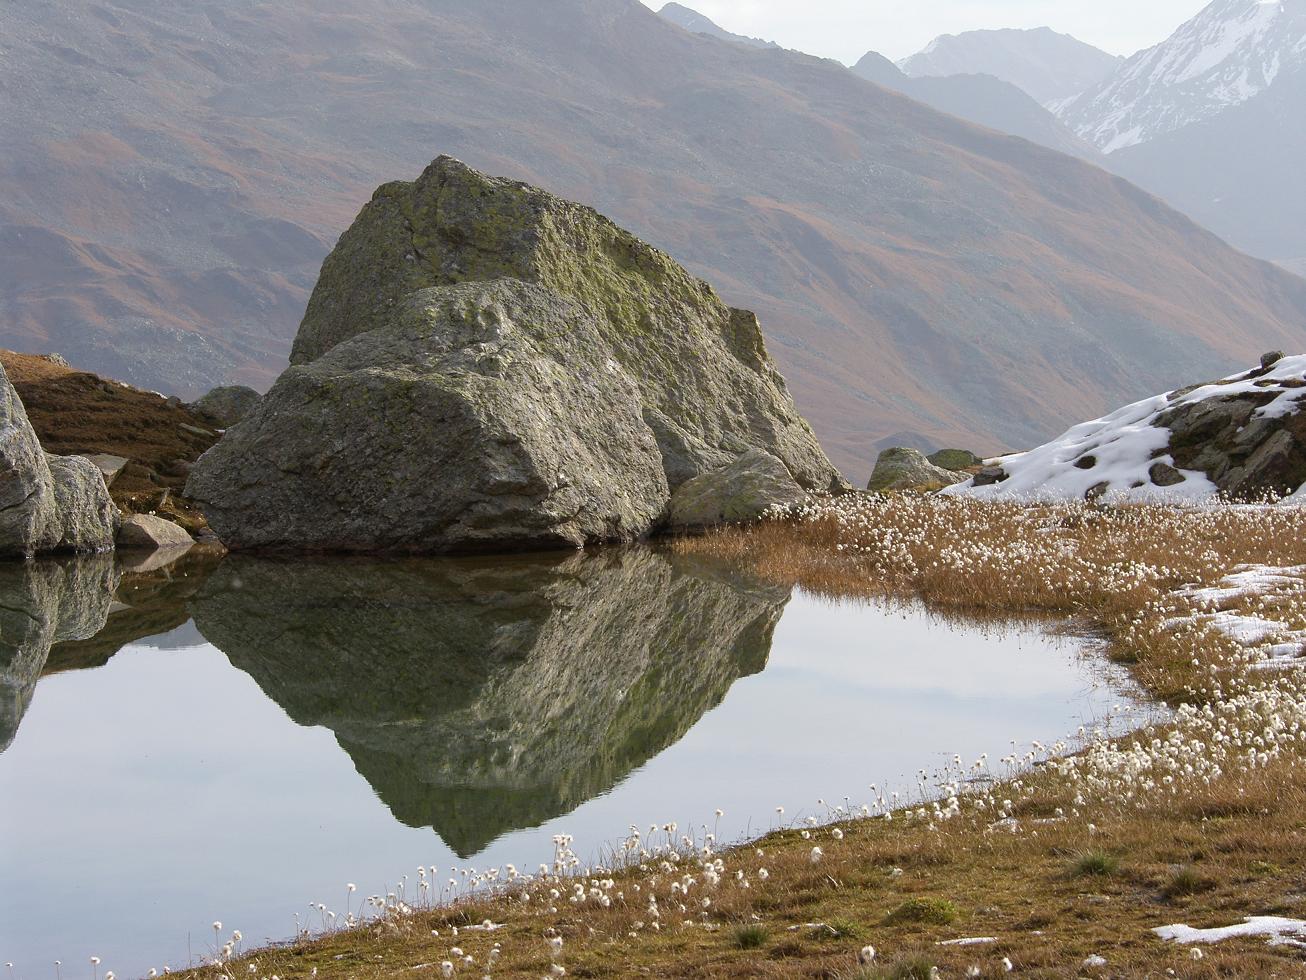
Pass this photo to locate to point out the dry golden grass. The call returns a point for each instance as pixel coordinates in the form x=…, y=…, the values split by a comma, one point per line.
x=1199, y=820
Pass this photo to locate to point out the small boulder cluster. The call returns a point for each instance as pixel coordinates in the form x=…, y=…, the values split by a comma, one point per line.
x=61, y=504
x=47, y=503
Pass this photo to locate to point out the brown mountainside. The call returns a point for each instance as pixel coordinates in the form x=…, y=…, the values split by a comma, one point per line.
x=173, y=173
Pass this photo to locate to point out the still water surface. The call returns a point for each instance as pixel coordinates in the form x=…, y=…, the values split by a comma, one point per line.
x=234, y=740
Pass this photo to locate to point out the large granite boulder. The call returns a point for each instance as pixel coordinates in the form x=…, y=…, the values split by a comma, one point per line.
x=1242, y=438
x=484, y=366
x=27, y=512
x=900, y=469
x=227, y=405
x=42, y=603
x=480, y=697
x=47, y=503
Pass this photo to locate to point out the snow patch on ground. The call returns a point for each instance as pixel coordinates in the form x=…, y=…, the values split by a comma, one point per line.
x=1279, y=931
x=1246, y=580
x=1276, y=644
x=1126, y=444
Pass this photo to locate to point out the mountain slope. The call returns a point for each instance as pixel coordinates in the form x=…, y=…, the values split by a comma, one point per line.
x=177, y=171
x=1227, y=55
x=1239, y=173
x=1044, y=64
x=696, y=23
x=981, y=99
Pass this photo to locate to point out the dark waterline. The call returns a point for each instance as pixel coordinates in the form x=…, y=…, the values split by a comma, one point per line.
x=236, y=740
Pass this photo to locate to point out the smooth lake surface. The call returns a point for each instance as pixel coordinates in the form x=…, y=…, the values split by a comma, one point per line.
x=235, y=739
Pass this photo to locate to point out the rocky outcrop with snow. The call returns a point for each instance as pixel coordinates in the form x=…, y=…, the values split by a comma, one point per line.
x=1243, y=438
x=1228, y=54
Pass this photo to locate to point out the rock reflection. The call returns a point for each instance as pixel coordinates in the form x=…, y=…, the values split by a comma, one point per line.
x=150, y=599
x=479, y=697
x=42, y=603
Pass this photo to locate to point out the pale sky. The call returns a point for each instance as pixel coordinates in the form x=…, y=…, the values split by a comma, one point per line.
x=847, y=29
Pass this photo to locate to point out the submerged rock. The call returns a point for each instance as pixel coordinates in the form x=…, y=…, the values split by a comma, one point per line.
x=484, y=366
x=481, y=697
x=42, y=603
x=47, y=503
x=900, y=469
x=1243, y=438
x=228, y=405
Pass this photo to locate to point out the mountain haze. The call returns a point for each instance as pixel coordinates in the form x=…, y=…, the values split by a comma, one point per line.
x=981, y=99
x=696, y=23
x=174, y=173
x=1046, y=65
x=1214, y=120
x=1228, y=55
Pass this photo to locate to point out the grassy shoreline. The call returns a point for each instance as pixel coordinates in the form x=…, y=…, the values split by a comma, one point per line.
x=1198, y=820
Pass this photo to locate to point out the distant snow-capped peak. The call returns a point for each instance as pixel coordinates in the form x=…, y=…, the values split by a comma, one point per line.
x=1229, y=53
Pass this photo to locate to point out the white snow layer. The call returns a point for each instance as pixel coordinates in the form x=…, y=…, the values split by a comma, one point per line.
x=1280, y=931
x=1127, y=444
x=1275, y=644
x=1226, y=55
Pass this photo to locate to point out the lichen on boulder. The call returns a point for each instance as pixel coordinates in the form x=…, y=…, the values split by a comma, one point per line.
x=484, y=366
x=227, y=405
x=900, y=468
x=754, y=485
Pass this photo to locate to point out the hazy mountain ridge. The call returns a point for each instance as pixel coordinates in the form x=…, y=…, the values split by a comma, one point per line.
x=1214, y=120
x=981, y=99
x=918, y=278
x=1230, y=53
x=1048, y=66
x=696, y=23
x=1239, y=173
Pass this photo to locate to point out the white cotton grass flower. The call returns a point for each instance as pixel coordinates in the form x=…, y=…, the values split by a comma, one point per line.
x=446, y=968
x=866, y=956
x=1007, y=965
x=816, y=855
